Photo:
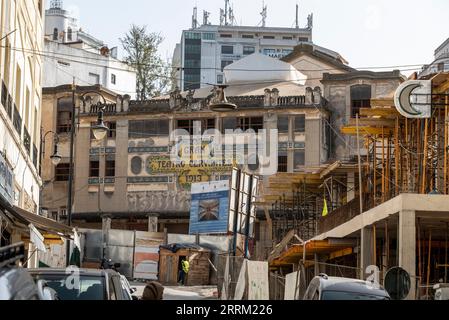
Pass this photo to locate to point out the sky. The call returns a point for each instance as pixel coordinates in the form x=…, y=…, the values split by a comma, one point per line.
x=367, y=33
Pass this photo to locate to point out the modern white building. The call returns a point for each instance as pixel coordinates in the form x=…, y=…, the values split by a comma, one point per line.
x=441, y=62
x=72, y=53
x=204, y=51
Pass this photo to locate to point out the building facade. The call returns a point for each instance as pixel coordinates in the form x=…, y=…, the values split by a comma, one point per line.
x=21, y=34
x=441, y=62
x=205, y=51
x=78, y=56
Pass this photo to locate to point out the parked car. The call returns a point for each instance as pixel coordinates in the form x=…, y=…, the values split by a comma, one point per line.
x=323, y=287
x=16, y=282
x=84, y=284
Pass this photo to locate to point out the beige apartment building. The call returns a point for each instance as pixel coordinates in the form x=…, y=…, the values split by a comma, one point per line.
x=127, y=181
x=21, y=34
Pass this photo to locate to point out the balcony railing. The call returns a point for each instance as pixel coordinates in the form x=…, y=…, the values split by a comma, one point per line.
x=343, y=214
x=292, y=101
x=35, y=156
x=5, y=94
x=17, y=121
x=27, y=141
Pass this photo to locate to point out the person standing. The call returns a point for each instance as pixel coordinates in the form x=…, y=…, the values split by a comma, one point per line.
x=185, y=266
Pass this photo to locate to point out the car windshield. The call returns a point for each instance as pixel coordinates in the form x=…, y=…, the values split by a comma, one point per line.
x=341, y=295
x=67, y=287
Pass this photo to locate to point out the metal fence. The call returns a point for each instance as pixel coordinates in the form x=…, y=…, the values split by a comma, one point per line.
x=277, y=286
x=235, y=265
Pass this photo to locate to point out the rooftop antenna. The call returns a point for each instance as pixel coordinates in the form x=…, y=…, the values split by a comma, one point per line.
x=231, y=16
x=264, y=14
x=206, y=16
x=195, y=18
x=297, y=16
x=222, y=17
x=310, y=21
x=226, y=12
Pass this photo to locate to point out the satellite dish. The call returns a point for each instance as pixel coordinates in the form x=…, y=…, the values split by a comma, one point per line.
x=397, y=283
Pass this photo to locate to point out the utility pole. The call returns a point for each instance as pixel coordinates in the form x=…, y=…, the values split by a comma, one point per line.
x=360, y=166
x=297, y=16
x=71, y=165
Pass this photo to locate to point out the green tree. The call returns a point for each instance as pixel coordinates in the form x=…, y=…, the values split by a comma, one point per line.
x=153, y=75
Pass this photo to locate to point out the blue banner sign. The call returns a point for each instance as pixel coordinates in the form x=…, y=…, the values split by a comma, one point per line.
x=209, y=207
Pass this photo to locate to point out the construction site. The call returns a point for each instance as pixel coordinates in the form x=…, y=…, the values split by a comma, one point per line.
x=386, y=206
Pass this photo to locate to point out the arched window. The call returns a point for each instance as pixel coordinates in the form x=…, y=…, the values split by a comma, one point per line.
x=55, y=34
x=69, y=34
x=360, y=98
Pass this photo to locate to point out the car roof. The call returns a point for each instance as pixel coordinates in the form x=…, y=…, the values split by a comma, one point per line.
x=350, y=285
x=83, y=271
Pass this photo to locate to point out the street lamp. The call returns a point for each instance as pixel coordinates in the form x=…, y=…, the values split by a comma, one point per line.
x=219, y=103
x=100, y=130
x=55, y=157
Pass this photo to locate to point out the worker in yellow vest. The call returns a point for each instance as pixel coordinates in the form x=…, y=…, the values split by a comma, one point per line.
x=184, y=271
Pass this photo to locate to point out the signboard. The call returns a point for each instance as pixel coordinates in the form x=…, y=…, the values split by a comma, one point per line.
x=413, y=99
x=6, y=181
x=209, y=207
x=258, y=288
x=146, y=255
x=188, y=173
x=291, y=291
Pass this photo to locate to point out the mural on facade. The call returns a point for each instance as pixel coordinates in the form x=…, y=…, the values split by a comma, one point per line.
x=153, y=201
x=187, y=173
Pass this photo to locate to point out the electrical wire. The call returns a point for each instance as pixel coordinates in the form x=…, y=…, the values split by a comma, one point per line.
x=200, y=83
x=61, y=55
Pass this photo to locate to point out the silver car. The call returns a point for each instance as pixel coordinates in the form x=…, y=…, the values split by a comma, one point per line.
x=323, y=287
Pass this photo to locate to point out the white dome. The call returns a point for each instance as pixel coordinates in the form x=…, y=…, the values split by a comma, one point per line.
x=261, y=68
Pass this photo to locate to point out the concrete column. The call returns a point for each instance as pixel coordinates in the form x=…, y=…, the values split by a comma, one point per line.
x=106, y=226
x=366, y=250
x=152, y=224
x=407, y=246
x=351, y=186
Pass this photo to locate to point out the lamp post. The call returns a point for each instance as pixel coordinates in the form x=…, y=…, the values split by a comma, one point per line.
x=55, y=157
x=99, y=129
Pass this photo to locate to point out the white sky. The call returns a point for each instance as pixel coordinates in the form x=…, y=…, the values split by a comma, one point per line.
x=368, y=33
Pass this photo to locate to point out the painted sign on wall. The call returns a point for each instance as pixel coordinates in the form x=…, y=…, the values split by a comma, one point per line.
x=187, y=172
x=209, y=207
x=6, y=181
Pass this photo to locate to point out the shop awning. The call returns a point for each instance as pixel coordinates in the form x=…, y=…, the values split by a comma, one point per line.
x=22, y=219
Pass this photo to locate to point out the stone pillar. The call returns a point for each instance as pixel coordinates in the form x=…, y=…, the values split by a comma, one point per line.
x=152, y=224
x=106, y=226
x=407, y=246
x=125, y=103
x=351, y=186
x=366, y=250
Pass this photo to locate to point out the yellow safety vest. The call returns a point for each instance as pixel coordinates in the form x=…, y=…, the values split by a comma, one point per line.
x=185, y=266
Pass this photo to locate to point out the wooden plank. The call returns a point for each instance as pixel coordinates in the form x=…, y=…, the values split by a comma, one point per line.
x=364, y=130
x=424, y=163
x=382, y=102
x=373, y=122
x=382, y=112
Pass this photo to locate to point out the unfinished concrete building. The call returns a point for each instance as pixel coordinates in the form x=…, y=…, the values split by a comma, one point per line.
x=396, y=212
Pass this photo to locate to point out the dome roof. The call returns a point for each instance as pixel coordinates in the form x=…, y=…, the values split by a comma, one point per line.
x=261, y=68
